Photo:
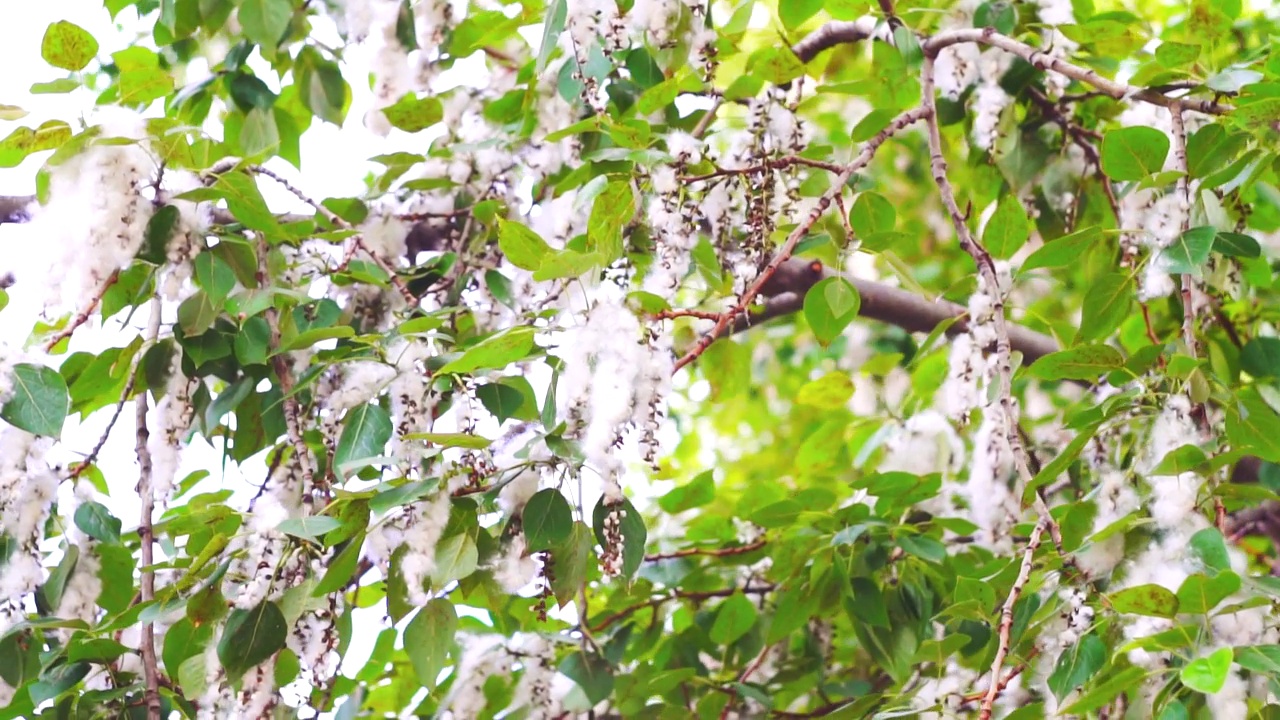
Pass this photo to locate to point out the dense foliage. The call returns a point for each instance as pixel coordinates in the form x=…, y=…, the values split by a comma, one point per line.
x=685, y=358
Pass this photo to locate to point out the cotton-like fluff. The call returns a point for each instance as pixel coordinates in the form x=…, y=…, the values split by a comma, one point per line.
x=656, y=18
x=926, y=443
x=169, y=422
x=533, y=691
x=98, y=209
x=1115, y=499
x=483, y=656
x=613, y=377
x=362, y=381
x=412, y=403
x=993, y=507
x=1054, y=13
x=515, y=568
x=28, y=488
x=424, y=525
x=251, y=576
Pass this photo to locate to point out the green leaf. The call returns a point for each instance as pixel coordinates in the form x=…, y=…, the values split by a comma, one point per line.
x=259, y=135
x=265, y=21
x=23, y=141
x=1066, y=250
x=547, y=520
x=39, y=402
x=214, y=276
x=736, y=616
x=1176, y=54
x=634, y=534
x=557, y=12
x=68, y=46
x=1236, y=245
x=413, y=114
x=1182, y=459
x=522, y=246
x=1106, y=305
x=250, y=637
x=96, y=521
x=141, y=86
x=775, y=65
x=1210, y=548
x=245, y=202
x=864, y=603
x=428, y=639
x=829, y=306
x=343, y=568
x=1008, y=229
x=1083, y=362
x=569, y=563
x=612, y=210
x=1133, y=153
x=591, y=672
x=567, y=264
x=1189, y=253
x=699, y=491
x=365, y=432
x=1077, y=664
x=872, y=213
x=794, y=12
x=846, y=9
x=307, y=338
x=1261, y=357
x=1153, y=600
x=456, y=558
x=1253, y=426
x=1207, y=674
x=462, y=440
x=502, y=401
x=495, y=352
x=1259, y=658
x=828, y=392
x=1200, y=593
x=1123, y=681
x=309, y=527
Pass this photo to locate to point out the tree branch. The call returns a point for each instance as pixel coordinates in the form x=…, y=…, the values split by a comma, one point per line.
x=864, y=157
x=1006, y=619
x=1044, y=61
x=146, y=536
x=830, y=35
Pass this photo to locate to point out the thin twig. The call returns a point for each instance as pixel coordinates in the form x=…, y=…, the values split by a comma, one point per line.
x=1041, y=60
x=712, y=552
x=83, y=316
x=784, y=253
x=1006, y=620
x=292, y=412
x=89, y=459
x=677, y=595
x=746, y=673
x=679, y=313
x=781, y=163
x=146, y=537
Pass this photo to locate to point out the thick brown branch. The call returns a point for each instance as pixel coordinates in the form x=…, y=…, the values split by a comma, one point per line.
x=895, y=306
x=783, y=254
x=830, y=35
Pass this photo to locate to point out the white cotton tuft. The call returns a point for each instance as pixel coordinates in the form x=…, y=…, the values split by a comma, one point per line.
x=98, y=210
x=989, y=102
x=385, y=236
x=515, y=569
